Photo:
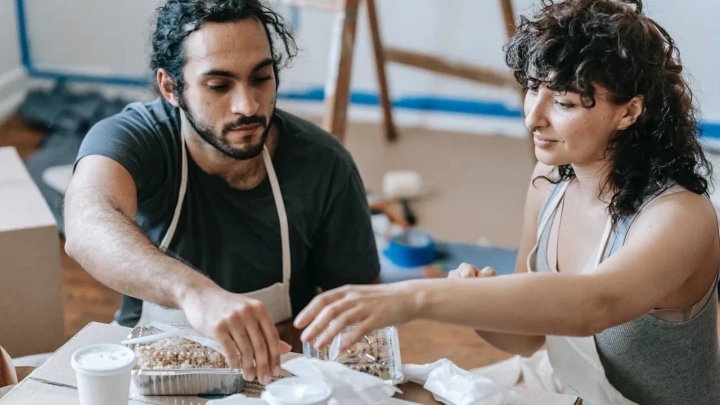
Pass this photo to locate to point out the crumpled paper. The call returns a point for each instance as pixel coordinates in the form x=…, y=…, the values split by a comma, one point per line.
x=452, y=385
x=349, y=387
x=237, y=399
x=534, y=372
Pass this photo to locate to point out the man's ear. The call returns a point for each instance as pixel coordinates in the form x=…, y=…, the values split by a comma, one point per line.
x=631, y=112
x=167, y=86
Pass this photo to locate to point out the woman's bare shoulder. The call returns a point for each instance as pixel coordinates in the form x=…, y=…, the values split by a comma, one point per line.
x=683, y=217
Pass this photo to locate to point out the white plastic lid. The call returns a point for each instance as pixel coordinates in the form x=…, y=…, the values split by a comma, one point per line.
x=297, y=391
x=104, y=358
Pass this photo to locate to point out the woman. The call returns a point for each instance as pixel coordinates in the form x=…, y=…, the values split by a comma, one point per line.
x=619, y=255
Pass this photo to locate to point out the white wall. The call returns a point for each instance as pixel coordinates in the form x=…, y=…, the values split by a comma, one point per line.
x=66, y=39
x=693, y=26
x=104, y=37
x=10, y=50
x=12, y=74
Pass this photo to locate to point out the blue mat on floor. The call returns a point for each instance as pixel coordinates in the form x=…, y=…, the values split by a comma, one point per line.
x=449, y=256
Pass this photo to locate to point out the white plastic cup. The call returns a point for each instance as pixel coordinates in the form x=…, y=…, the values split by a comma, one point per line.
x=297, y=391
x=103, y=373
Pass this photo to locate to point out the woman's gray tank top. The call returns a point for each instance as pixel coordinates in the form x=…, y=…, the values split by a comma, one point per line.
x=650, y=360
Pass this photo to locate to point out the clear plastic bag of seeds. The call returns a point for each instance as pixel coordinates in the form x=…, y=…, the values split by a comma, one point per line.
x=377, y=353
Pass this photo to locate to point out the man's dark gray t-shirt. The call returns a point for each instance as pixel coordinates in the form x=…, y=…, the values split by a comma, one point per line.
x=231, y=235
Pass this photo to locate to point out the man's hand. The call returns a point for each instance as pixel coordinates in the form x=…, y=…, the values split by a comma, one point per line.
x=242, y=326
x=469, y=271
x=291, y=335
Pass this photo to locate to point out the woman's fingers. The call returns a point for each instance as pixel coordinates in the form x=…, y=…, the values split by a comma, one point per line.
x=352, y=316
x=327, y=316
x=357, y=334
x=467, y=270
x=312, y=310
x=487, y=272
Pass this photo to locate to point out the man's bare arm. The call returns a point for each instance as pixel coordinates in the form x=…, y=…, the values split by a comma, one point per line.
x=103, y=237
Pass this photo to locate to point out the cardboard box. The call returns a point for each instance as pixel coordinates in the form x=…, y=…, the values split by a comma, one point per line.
x=54, y=382
x=30, y=280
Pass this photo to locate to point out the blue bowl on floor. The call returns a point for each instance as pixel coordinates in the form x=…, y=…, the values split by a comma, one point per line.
x=411, y=249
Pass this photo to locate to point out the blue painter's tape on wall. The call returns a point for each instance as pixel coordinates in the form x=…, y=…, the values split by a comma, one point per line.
x=71, y=77
x=22, y=34
x=710, y=130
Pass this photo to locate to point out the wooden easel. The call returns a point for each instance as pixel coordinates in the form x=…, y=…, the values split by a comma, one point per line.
x=337, y=87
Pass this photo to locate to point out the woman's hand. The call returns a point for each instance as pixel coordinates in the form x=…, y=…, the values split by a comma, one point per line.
x=367, y=307
x=466, y=270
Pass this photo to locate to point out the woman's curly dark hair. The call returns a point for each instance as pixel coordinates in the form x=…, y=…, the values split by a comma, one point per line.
x=572, y=44
x=179, y=18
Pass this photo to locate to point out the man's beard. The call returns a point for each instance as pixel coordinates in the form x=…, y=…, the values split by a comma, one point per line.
x=220, y=143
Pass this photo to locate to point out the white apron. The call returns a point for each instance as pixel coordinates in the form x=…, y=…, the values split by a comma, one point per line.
x=575, y=360
x=275, y=297
x=569, y=365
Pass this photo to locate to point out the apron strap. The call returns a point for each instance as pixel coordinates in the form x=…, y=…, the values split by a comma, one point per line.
x=604, y=241
x=544, y=219
x=181, y=197
x=282, y=216
x=550, y=209
x=552, y=206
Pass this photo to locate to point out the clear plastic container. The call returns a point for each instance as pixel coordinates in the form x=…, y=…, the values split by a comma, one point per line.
x=377, y=354
x=178, y=366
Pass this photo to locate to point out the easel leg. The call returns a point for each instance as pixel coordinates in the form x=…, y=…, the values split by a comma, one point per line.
x=337, y=87
x=509, y=21
x=508, y=17
x=390, y=130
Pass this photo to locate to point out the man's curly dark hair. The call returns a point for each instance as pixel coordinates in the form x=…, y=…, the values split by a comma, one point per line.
x=179, y=18
x=572, y=44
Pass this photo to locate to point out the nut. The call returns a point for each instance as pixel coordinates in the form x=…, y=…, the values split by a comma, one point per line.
x=177, y=353
x=371, y=355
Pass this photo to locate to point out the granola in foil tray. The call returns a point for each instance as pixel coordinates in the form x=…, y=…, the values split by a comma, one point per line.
x=180, y=366
x=177, y=353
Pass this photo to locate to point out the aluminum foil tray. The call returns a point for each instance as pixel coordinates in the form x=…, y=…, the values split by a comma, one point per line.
x=199, y=381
